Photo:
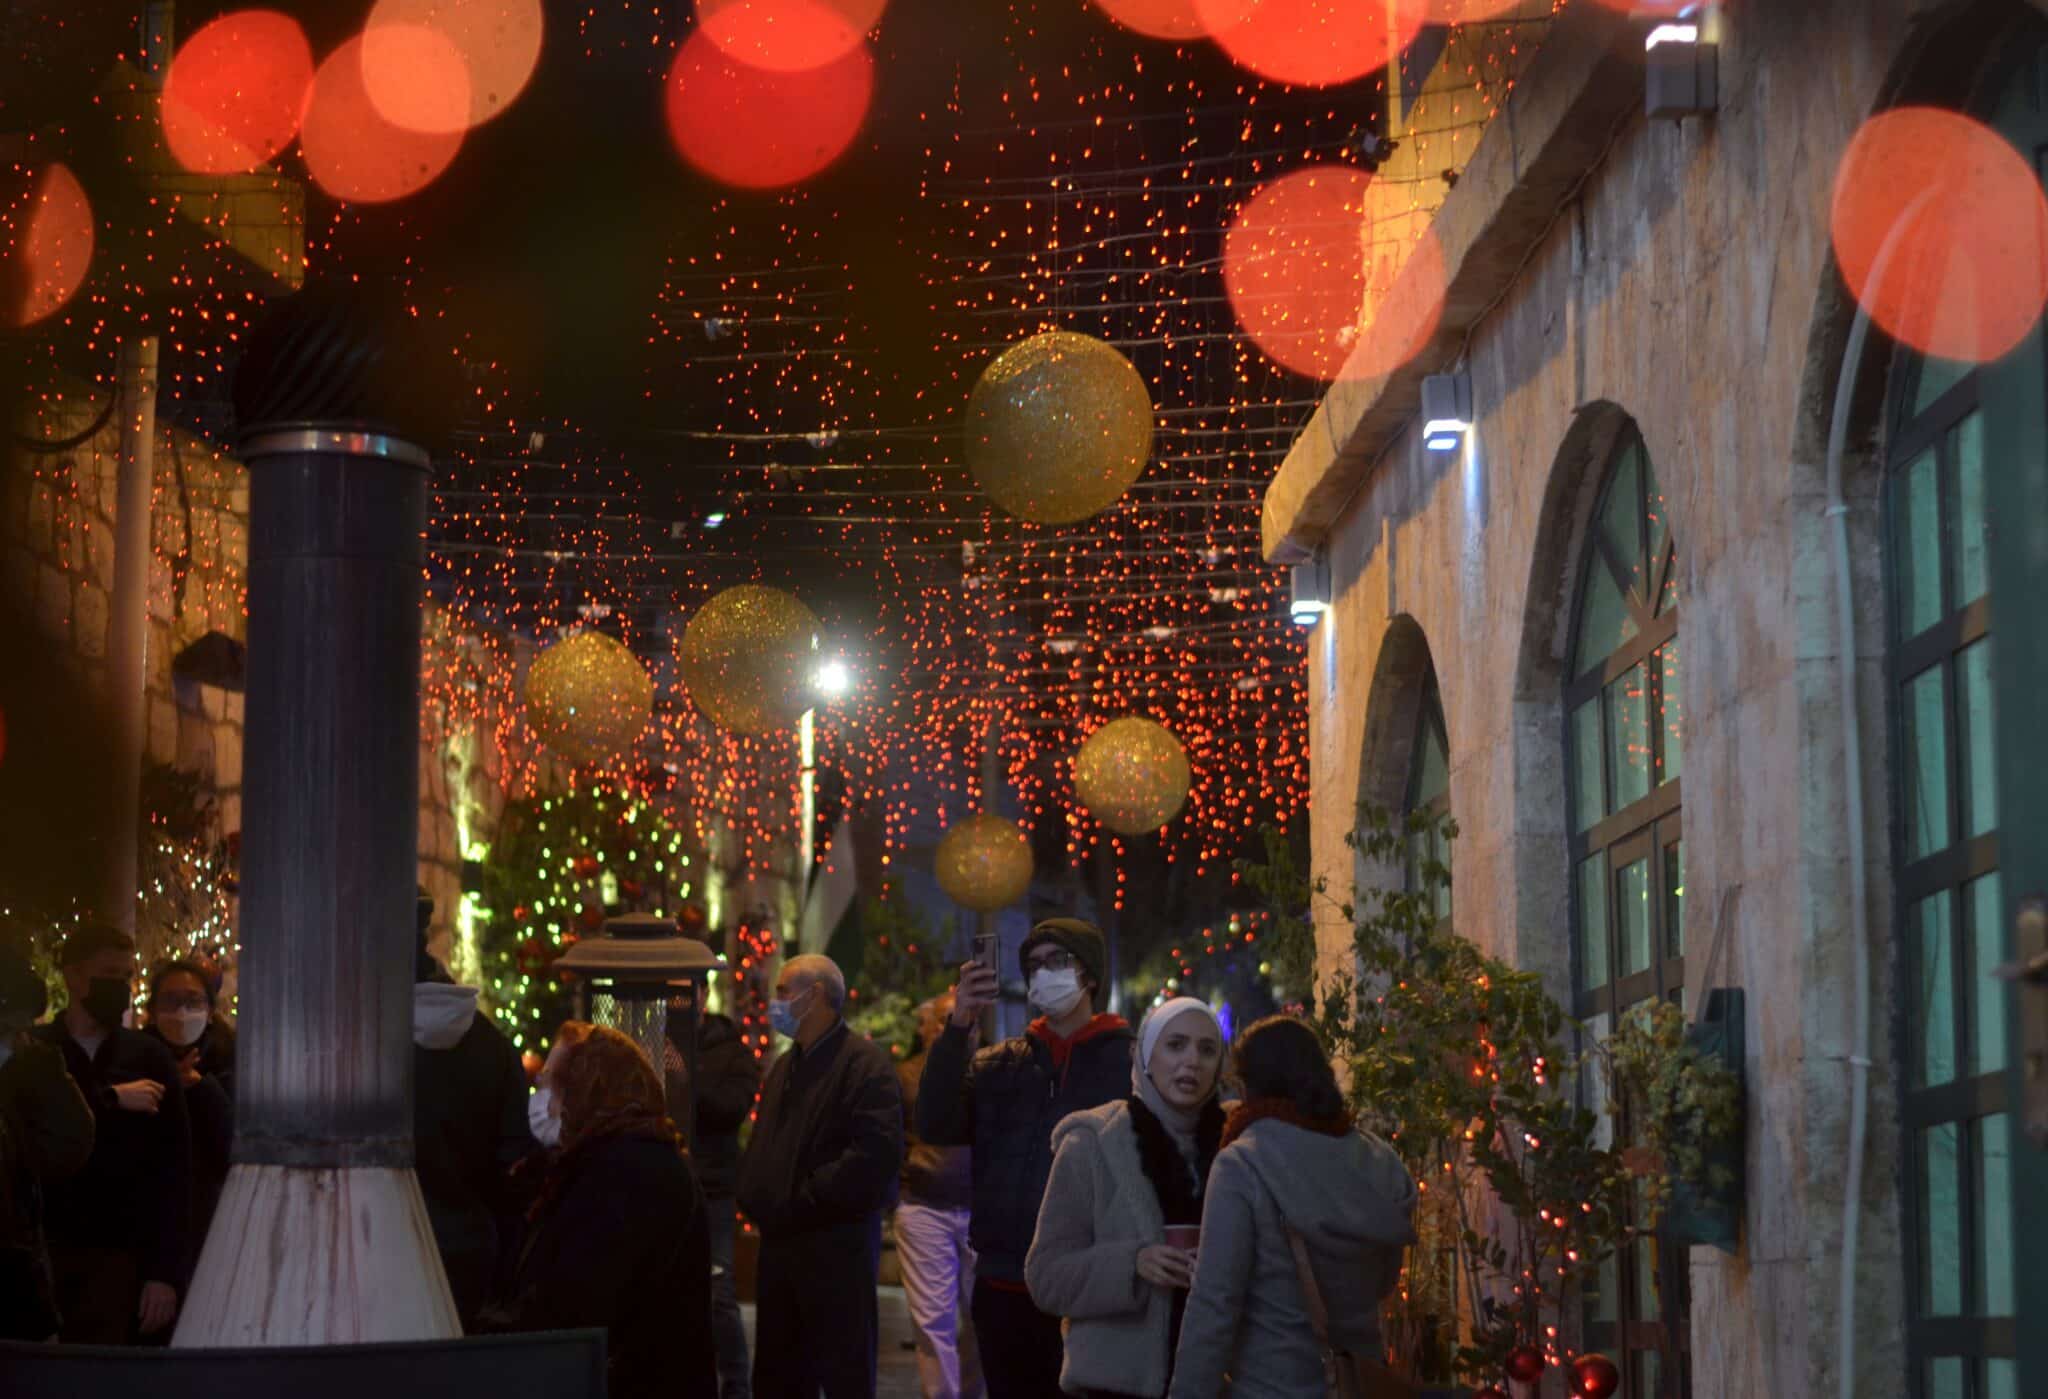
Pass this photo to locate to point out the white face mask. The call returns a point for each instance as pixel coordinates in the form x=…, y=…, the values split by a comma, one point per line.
x=182, y=1027
x=542, y=1118
x=1053, y=993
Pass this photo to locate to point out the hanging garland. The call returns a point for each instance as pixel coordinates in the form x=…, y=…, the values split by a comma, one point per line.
x=560, y=866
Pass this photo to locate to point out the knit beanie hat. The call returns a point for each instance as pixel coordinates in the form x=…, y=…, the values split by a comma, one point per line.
x=1082, y=941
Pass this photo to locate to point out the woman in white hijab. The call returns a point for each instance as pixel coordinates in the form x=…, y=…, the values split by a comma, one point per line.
x=1114, y=1253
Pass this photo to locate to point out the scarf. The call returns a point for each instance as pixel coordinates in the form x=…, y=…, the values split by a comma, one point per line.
x=1259, y=1109
x=1179, y=1175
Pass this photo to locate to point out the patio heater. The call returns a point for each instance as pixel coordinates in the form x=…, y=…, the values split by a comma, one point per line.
x=644, y=979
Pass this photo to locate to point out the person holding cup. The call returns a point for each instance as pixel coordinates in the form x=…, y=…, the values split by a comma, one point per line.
x=1115, y=1250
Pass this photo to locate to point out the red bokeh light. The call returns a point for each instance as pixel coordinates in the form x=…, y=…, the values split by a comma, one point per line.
x=757, y=129
x=1967, y=277
x=1314, y=293
x=236, y=92
x=1310, y=43
x=1161, y=19
x=352, y=151
x=416, y=78
x=788, y=36
x=495, y=42
x=51, y=246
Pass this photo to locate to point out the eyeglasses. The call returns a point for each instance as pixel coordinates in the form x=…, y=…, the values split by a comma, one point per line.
x=1052, y=960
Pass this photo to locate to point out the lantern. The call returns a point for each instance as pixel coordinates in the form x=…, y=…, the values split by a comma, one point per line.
x=588, y=697
x=1058, y=427
x=1133, y=775
x=984, y=863
x=645, y=980
x=746, y=658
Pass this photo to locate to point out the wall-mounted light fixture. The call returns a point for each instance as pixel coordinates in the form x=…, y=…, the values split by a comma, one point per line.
x=1309, y=590
x=1681, y=68
x=1446, y=411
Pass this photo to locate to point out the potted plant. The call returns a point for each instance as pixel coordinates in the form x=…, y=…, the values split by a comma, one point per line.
x=1677, y=1097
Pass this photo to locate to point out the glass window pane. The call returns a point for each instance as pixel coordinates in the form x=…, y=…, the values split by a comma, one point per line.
x=1645, y=1267
x=1933, y=1010
x=1648, y=1373
x=1632, y=916
x=1993, y=1148
x=1926, y=776
x=1593, y=922
x=1671, y=712
x=2001, y=1379
x=1986, y=911
x=1936, y=377
x=1589, y=793
x=1621, y=520
x=1972, y=547
x=1603, y=1290
x=1674, y=899
x=1628, y=756
x=1605, y=622
x=1941, y=1223
x=1668, y=599
x=1917, y=548
x=1980, y=743
x=1431, y=777
x=1945, y=1378
x=1660, y=513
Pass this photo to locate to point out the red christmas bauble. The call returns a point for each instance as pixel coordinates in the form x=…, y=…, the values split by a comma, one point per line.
x=592, y=917
x=1595, y=1377
x=520, y=913
x=586, y=866
x=631, y=888
x=1524, y=1363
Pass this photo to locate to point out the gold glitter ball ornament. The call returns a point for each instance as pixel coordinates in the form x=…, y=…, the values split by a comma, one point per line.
x=1133, y=775
x=1058, y=427
x=983, y=863
x=588, y=697
x=747, y=657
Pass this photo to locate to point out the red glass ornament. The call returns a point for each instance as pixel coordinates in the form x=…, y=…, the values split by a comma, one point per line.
x=631, y=888
x=1595, y=1377
x=1525, y=1364
x=586, y=866
x=592, y=917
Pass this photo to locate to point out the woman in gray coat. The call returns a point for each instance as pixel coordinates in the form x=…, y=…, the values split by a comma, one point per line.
x=1291, y=1163
x=1124, y=1174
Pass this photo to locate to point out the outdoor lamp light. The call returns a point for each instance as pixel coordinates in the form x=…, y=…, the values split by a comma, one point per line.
x=1309, y=591
x=1680, y=70
x=1446, y=411
x=645, y=980
x=832, y=679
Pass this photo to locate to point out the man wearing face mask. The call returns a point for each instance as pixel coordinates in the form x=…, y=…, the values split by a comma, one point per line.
x=469, y=1124
x=120, y=1228
x=1004, y=1103
x=817, y=1173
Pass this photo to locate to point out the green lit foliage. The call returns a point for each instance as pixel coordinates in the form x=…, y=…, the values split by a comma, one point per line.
x=559, y=866
x=903, y=964
x=1677, y=1105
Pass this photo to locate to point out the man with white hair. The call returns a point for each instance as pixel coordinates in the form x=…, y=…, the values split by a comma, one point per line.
x=818, y=1171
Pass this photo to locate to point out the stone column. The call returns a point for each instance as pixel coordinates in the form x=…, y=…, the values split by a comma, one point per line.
x=322, y=1236
x=128, y=611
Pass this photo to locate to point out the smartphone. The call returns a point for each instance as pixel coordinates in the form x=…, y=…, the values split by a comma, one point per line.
x=985, y=950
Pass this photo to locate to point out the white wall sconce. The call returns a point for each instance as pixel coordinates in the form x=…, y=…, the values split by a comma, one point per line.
x=1681, y=70
x=1446, y=411
x=1309, y=590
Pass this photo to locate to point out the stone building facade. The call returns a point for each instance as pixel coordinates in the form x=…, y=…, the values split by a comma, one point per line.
x=1614, y=607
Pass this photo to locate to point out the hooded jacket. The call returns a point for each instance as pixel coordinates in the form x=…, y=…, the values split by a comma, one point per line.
x=469, y=1127
x=1247, y=1331
x=1004, y=1103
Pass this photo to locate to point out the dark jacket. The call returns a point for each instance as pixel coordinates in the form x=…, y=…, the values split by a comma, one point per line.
x=210, y=1104
x=620, y=1242
x=469, y=1128
x=46, y=1134
x=731, y=1077
x=939, y=1176
x=1004, y=1102
x=827, y=1142
x=135, y=1193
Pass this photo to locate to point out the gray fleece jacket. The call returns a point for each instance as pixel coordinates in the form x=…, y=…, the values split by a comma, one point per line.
x=1098, y=1211
x=1246, y=1332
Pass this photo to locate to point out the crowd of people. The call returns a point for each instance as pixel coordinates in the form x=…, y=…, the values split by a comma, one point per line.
x=1084, y=1208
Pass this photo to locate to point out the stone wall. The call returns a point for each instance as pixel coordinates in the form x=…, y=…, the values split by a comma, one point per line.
x=1688, y=289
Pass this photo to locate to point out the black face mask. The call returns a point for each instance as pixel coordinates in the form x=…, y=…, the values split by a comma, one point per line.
x=106, y=998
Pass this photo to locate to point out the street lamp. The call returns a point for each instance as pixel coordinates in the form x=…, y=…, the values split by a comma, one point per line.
x=637, y=979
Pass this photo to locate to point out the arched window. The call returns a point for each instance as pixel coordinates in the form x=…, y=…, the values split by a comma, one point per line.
x=1623, y=755
x=1429, y=793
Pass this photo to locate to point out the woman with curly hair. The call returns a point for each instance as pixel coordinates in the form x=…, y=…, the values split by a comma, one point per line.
x=617, y=1236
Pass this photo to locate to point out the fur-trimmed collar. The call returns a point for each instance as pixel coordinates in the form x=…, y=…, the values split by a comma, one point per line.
x=1178, y=1183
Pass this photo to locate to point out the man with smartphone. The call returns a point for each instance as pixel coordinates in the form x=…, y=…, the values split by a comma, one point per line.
x=1004, y=1102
